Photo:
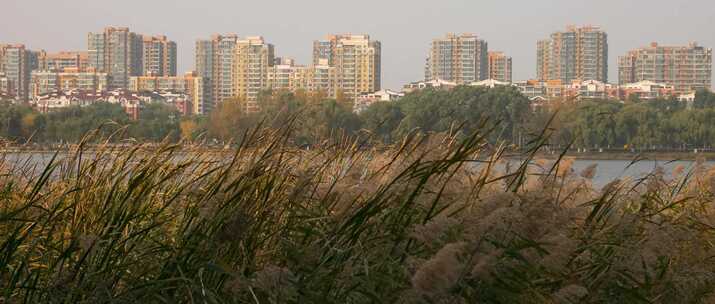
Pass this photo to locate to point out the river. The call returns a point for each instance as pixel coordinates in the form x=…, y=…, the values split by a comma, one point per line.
x=610, y=170
x=606, y=170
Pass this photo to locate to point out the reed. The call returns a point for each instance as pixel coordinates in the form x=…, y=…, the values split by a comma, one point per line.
x=432, y=219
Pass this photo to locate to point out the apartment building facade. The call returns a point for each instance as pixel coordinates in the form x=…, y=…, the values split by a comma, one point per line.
x=462, y=59
x=686, y=68
x=322, y=79
x=357, y=60
x=317, y=79
x=16, y=65
x=579, y=53
x=44, y=82
x=286, y=75
x=254, y=59
x=215, y=63
x=158, y=56
x=500, y=67
x=5, y=87
x=62, y=61
x=117, y=52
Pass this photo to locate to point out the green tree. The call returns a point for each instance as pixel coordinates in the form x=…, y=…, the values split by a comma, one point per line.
x=72, y=123
x=157, y=121
x=382, y=119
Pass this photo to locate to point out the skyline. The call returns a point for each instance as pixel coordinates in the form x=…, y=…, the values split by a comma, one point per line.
x=405, y=31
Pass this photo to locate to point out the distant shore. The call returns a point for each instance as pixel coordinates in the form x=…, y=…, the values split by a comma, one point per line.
x=590, y=155
x=650, y=155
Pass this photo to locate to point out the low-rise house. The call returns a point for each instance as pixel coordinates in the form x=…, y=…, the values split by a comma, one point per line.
x=646, y=90
x=490, y=83
x=132, y=102
x=434, y=84
x=687, y=97
x=365, y=100
x=591, y=89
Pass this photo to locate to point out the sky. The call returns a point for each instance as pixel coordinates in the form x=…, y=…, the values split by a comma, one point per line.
x=405, y=27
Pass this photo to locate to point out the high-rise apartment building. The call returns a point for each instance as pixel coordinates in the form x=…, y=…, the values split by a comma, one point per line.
x=44, y=81
x=287, y=76
x=215, y=63
x=462, y=59
x=543, y=59
x=357, y=62
x=316, y=79
x=5, y=86
x=254, y=58
x=159, y=56
x=575, y=54
x=686, y=68
x=322, y=78
x=16, y=64
x=96, y=47
x=117, y=52
x=499, y=67
x=205, y=55
x=58, y=62
x=323, y=51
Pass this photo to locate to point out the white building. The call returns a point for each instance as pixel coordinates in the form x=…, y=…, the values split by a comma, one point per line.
x=365, y=100
x=489, y=83
x=433, y=84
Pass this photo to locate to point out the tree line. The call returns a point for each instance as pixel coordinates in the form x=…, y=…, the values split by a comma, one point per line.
x=652, y=124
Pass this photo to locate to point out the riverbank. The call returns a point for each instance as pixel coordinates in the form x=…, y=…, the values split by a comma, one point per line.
x=633, y=156
x=590, y=155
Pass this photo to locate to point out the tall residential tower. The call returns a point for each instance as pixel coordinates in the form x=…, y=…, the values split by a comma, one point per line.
x=462, y=59
x=158, y=56
x=579, y=53
x=254, y=58
x=16, y=65
x=357, y=62
x=215, y=63
x=500, y=67
x=117, y=52
x=687, y=68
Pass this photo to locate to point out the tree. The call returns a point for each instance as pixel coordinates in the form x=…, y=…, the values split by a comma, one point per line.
x=592, y=124
x=382, y=119
x=11, y=118
x=440, y=110
x=188, y=128
x=704, y=99
x=326, y=120
x=71, y=124
x=228, y=120
x=157, y=121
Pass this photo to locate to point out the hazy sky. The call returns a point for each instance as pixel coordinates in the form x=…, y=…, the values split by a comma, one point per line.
x=404, y=27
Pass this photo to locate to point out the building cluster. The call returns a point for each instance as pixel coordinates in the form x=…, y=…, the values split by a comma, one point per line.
x=464, y=59
x=570, y=64
x=131, y=101
x=105, y=70
x=687, y=68
x=343, y=66
x=118, y=62
x=574, y=64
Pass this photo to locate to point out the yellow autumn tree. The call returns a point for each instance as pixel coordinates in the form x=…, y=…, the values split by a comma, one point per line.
x=188, y=127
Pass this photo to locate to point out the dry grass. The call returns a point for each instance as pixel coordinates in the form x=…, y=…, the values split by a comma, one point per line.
x=430, y=220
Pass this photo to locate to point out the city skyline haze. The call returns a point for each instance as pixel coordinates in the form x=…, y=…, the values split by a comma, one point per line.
x=405, y=28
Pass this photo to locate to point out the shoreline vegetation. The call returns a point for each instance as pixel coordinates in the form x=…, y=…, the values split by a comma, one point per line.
x=665, y=125
x=345, y=223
